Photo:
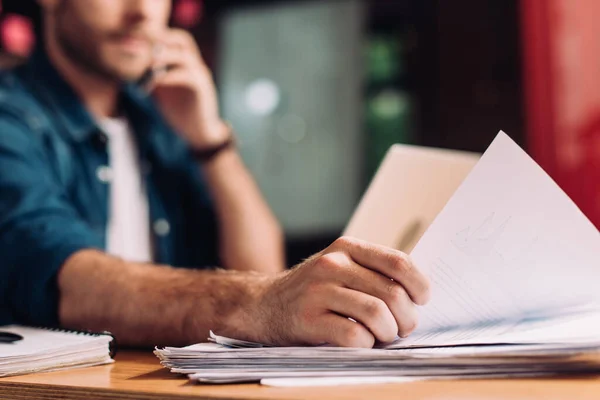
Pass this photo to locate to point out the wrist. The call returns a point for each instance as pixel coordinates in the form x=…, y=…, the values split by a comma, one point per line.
x=235, y=302
x=209, y=151
x=252, y=319
x=210, y=135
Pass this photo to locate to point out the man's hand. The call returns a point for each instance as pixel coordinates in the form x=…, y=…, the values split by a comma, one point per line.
x=183, y=88
x=317, y=302
x=375, y=286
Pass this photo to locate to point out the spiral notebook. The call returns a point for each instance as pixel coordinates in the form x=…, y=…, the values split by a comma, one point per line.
x=43, y=350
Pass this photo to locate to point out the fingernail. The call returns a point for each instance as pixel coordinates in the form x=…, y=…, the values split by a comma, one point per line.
x=408, y=333
x=412, y=316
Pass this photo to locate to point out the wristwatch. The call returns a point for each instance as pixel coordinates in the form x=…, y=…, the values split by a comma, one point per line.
x=206, y=154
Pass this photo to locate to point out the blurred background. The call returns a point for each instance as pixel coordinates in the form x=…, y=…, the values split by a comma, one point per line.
x=318, y=90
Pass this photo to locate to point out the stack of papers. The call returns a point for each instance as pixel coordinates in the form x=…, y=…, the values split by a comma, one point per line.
x=514, y=266
x=42, y=350
x=231, y=361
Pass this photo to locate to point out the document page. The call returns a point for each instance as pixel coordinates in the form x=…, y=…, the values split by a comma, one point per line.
x=510, y=244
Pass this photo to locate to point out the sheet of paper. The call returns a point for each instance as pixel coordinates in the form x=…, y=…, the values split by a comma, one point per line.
x=418, y=370
x=576, y=326
x=343, y=381
x=358, y=380
x=509, y=244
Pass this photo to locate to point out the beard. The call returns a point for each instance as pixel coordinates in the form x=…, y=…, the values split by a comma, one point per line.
x=82, y=46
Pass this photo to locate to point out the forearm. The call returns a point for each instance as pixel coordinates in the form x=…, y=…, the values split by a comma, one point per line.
x=146, y=305
x=251, y=238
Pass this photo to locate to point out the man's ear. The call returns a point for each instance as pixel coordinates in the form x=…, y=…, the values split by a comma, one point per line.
x=48, y=5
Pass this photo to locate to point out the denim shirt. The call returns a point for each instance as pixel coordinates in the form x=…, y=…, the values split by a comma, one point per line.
x=54, y=188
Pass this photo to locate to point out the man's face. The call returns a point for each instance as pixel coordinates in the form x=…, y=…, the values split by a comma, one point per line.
x=113, y=38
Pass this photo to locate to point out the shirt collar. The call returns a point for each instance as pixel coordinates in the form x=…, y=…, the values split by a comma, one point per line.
x=79, y=124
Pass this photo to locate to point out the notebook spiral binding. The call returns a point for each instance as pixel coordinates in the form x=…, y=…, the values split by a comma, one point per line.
x=112, y=347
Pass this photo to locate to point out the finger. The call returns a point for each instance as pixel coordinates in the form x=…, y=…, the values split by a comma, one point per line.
x=370, y=311
x=179, y=38
x=392, y=263
x=155, y=77
x=172, y=78
x=172, y=57
x=176, y=36
x=391, y=292
x=340, y=331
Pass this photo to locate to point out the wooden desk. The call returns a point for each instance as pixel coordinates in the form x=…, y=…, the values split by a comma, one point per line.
x=138, y=375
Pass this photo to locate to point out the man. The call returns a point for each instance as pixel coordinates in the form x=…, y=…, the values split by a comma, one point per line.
x=100, y=200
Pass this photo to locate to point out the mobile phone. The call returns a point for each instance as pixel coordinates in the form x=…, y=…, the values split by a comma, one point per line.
x=145, y=81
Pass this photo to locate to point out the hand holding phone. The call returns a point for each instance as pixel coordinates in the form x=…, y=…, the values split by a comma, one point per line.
x=183, y=88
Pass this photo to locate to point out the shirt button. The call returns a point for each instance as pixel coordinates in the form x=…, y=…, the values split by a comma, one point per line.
x=162, y=227
x=102, y=137
x=104, y=174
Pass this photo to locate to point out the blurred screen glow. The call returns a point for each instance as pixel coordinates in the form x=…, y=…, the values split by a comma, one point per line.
x=291, y=83
x=262, y=97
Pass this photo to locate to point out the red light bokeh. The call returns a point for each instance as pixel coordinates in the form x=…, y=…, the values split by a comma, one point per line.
x=188, y=13
x=16, y=33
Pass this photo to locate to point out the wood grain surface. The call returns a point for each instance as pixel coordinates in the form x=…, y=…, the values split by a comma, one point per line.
x=138, y=375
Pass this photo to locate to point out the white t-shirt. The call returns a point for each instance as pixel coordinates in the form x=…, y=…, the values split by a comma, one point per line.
x=128, y=233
